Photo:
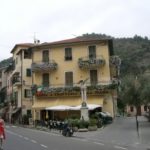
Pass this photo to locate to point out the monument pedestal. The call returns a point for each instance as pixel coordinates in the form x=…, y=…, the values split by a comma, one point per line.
x=84, y=112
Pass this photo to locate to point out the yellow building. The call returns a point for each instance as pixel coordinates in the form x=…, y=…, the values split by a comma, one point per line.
x=21, y=82
x=59, y=66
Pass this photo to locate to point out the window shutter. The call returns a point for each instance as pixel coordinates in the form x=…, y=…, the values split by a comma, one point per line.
x=46, y=56
x=28, y=72
x=46, y=79
x=69, y=78
x=92, y=52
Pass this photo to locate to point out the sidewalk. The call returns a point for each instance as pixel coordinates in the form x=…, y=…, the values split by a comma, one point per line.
x=144, y=130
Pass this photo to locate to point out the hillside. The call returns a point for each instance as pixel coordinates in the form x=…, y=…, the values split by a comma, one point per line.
x=5, y=62
x=134, y=52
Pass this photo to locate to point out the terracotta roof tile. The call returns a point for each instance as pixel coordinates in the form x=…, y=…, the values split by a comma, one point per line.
x=74, y=40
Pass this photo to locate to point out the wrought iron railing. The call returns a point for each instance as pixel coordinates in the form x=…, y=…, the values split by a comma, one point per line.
x=55, y=90
x=16, y=79
x=115, y=60
x=44, y=66
x=87, y=63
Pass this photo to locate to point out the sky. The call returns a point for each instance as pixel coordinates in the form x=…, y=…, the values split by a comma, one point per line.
x=53, y=20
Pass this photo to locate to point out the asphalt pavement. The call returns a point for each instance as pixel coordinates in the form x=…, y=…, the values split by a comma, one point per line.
x=121, y=134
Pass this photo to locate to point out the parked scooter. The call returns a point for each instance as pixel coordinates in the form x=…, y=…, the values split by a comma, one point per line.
x=67, y=130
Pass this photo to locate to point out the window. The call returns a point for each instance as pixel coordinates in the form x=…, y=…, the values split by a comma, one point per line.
x=45, y=56
x=92, y=52
x=28, y=72
x=93, y=77
x=46, y=79
x=27, y=54
x=15, y=96
x=68, y=53
x=69, y=78
x=145, y=108
x=131, y=108
x=27, y=93
x=29, y=113
x=16, y=60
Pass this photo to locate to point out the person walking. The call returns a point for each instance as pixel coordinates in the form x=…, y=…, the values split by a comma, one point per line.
x=2, y=134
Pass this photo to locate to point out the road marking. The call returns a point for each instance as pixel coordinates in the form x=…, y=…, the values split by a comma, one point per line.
x=26, y=138
x=119, y=147
x=99, y=143
x=20, y=136
x=14, y=126
x=83, y=140
x=44, y=146
x=33, y=141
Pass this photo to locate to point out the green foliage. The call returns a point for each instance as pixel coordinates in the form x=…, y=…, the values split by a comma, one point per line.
x=92, y=122
x=145, y=92
x=83, y=124
x=5, y=62
x=130, y=91
x=74, y=122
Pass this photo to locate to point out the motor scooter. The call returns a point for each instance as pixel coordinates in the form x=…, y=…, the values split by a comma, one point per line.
x=68, y=131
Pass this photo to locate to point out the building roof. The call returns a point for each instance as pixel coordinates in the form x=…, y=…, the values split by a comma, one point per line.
x=73, y=41
x=79, y=40
x=22, y=45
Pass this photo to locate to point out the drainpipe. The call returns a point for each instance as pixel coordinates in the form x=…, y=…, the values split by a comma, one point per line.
x=21, y=81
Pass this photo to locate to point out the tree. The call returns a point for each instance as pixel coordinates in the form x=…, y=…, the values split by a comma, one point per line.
x=145, y=93
x=130, y=94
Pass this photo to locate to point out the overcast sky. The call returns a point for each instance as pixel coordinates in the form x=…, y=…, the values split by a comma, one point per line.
x=51, y=20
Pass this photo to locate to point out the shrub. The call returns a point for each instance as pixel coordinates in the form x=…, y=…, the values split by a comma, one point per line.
x=83, y=124
x=93, y=122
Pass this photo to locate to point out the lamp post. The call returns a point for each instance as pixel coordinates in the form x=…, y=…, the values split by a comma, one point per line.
x=84, y=108
x=136, y=103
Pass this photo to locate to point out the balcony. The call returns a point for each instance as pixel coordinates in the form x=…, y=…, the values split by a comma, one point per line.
x=115, y=60
x=44, y=66
x=16, y=80
x=90, y=63
x=62, y=90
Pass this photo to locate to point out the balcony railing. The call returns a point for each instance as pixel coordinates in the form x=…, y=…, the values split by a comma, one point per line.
x=88, y=63
x=115, y=60
x=44, y=66
x=61, y=90
x=16, y=80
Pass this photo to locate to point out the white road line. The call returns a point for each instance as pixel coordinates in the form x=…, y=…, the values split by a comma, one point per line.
x=95, y=139
x=20, y=136
x=14, y=126
x=44, y=146
x=99, y=143
x=26, y=138
x=119, y=147
x=33, y=141
x=83, y=140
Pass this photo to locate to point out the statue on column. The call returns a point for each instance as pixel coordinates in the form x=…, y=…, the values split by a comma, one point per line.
x=84, y=108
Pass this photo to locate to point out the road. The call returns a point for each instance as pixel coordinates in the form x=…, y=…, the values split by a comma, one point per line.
x=121, y=135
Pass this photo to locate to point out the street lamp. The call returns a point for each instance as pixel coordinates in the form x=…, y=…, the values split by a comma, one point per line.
x=84, y=108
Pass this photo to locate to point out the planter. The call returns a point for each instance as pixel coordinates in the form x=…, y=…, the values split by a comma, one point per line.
x=82, y=130
x=92, y=128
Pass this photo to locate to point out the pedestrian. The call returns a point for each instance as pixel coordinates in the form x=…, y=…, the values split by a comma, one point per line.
x=2, y=134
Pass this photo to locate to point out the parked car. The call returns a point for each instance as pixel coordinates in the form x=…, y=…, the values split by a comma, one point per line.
x=105, y=117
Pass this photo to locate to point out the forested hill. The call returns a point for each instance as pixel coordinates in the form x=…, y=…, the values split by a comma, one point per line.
x=134, y=52
x=5, y=62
